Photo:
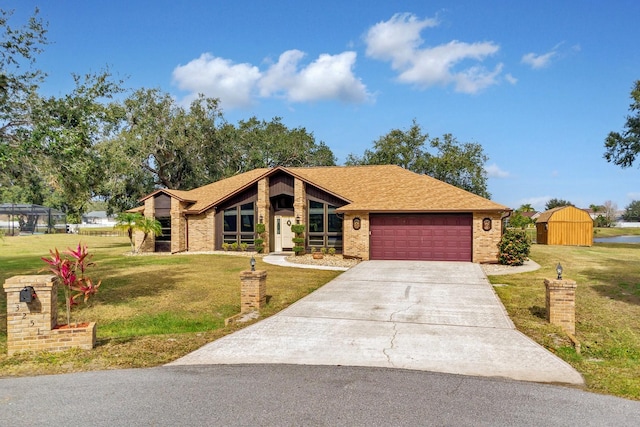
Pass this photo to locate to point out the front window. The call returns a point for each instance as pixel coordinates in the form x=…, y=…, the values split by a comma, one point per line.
x=325, y=226
x=239, y=224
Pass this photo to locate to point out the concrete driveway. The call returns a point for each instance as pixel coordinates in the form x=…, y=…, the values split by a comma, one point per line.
x=430, y=316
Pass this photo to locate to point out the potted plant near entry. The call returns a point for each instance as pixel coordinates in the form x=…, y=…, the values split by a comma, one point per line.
x=316, y=254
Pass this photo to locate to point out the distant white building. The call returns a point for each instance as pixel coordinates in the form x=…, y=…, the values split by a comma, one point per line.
x=98, y=219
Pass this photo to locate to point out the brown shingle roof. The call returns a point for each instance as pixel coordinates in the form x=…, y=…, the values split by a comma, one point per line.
x=379, y=188
x=209, y=195
x=393, y=189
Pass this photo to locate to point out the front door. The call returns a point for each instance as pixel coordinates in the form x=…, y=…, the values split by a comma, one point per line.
x=283, y=233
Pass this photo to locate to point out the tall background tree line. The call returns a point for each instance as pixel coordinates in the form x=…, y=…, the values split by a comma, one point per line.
x=105, y=142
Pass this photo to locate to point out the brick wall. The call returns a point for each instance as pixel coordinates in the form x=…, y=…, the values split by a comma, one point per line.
x=33, y=326
x=264, y=209
x=202, y=229
x=178, y=226
x=300, y=200
x=485, y=243
x=356, y=242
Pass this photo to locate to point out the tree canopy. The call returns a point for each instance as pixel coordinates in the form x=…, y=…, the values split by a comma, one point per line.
x=622, y=148
x=555, y=203
x=165, y=145
x=632, y=211
x=105, y=142
x=459, y=164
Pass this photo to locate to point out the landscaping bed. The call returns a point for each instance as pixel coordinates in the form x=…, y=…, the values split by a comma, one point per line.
x=326, y=260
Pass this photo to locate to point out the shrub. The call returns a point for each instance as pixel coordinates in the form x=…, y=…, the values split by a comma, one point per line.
x=226, y=246
x=260, y=228
x=332, y=251
x=297, y=228
x=234, y=246
x=323, y=251
x=244, y=246
x=259, y=245
x=514, y=247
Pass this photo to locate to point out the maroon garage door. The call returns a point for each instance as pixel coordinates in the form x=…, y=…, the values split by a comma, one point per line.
x=426, y=237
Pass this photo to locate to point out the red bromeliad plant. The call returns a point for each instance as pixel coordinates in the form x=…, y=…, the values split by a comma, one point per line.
x=70, y=268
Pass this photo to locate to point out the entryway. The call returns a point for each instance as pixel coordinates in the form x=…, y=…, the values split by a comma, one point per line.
x=283, y=234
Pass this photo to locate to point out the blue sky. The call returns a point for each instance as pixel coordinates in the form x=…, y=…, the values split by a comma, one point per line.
x=538, y=84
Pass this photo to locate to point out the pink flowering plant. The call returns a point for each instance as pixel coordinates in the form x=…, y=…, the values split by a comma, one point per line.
x=70, y=268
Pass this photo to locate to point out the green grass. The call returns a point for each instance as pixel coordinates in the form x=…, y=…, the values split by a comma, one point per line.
x=616, y=231
x=607, y=311
x=149, y=309
x=153, y=309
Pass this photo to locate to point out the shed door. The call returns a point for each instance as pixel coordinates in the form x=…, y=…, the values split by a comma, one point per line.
x=421, y=237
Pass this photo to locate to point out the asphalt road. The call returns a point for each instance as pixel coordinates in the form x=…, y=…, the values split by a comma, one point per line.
x=298, y=395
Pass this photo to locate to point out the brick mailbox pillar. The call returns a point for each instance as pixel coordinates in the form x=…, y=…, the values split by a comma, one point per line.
x=253, y=290
x=561, y=303
x=33, y=325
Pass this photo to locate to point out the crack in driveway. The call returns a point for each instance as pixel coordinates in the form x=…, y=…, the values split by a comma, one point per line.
x=385, y=350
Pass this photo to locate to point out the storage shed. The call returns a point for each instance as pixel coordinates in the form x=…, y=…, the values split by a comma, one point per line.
x=565, y=225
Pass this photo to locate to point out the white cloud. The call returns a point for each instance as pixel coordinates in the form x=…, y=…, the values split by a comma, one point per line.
x=218, y=77
x=238, y=85
x=495, y=171
x=509, y=78
x=538, y=61
x=398, y=41
x=328, y=77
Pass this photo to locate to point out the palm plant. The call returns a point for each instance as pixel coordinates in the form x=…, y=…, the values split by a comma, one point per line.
x=127, y=222
x=148, y=226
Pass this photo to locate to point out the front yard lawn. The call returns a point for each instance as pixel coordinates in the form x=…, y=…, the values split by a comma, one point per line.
x=150, y=309
x=153, y=309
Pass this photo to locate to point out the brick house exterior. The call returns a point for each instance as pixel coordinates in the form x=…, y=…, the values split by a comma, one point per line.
x=368, y=212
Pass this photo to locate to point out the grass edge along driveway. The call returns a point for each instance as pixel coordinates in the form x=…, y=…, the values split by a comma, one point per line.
x=607, y=311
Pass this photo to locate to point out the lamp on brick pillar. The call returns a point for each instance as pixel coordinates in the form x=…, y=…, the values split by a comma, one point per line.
x=561, y=302
x=253, y=263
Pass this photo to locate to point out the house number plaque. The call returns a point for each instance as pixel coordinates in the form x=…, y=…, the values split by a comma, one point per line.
x=486, y=224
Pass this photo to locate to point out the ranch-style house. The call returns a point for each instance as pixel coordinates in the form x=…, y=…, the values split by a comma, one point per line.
x=369, y=212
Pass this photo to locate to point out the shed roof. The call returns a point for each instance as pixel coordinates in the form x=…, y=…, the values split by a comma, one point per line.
x=549, y=215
